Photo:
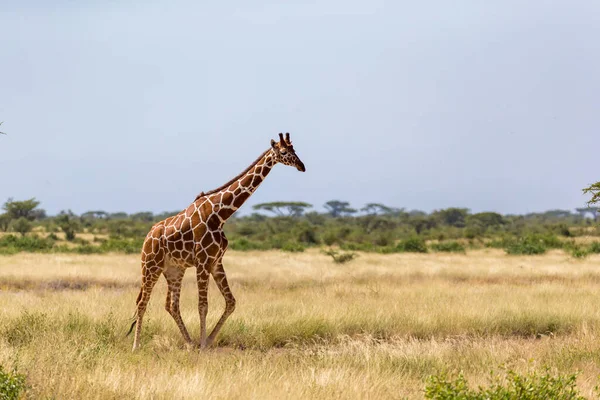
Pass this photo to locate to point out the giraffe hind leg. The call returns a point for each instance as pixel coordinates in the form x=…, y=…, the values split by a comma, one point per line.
x=174, y=276
x=150, y=273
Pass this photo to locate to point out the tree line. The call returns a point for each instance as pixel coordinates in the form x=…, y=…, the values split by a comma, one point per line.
x=294, y=226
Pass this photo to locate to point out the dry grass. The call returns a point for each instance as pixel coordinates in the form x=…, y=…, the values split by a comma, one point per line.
x=304, y=327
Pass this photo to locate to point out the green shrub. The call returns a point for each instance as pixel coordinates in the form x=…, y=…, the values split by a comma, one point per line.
x=12, y=384
x=531, y=244
x=22, y=225
x=449, y=247
x=25, y=243
x=594, y=248
x=413, y=244
x=52, y=236
x=578, y=252
x=243, y=244
x=292, y=247
x=119, y=245
x=88, y=249
x=533, y=386
x=340, y=258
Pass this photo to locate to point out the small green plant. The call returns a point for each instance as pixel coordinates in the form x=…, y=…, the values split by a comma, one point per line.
x=340, y=258
x=413, y=244
x=531, y=244
x=531, y=386
x=22, y=225
x=12, y=384
x=292, y=247
x=449, y=247
x=594, y=248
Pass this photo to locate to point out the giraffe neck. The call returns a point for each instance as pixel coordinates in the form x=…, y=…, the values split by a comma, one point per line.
x=230, y=199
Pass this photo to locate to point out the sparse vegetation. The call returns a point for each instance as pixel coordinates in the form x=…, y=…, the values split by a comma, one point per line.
x=512, y=385
x=305, y=327
x=289, y=227
x=12, y=384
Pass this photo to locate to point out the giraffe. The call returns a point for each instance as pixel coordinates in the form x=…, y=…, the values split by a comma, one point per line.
x=195, y=238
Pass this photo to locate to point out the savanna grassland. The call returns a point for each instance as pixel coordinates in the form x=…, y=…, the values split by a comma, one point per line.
x=304, y=327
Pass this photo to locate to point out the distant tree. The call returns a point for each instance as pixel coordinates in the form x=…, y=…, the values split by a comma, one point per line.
x=486, y=219
x=594, y=190
x=164, y=215
x=422, y=222
x=2, y=132
x=557, y=214
x=118, y=215
x=452, y=216
x=94, y=215
x=339, y=208
x=68, y=223
x=588, y=210
x=25, y=209
x=377, y=209
x=284, y=208
x=5, y=222
x=22, y=225
x=145, y=216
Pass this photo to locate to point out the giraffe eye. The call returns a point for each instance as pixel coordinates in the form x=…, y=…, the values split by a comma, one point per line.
x=283, y=152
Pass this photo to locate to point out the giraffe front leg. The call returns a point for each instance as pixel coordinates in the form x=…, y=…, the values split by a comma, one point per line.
x=202, y=276
x=220, y=278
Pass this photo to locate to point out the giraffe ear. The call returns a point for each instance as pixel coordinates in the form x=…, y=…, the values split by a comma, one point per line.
x=272, y=143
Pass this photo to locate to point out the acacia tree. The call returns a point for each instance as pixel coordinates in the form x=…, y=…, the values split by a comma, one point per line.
x=594, y=190
x=25, y=209
x=284, y=208
x=339, y=208
x=376, y=208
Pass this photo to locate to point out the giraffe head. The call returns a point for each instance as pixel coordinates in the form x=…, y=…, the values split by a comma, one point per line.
x=284, y=152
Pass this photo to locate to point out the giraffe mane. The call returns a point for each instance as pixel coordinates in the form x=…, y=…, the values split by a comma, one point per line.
x=244, y=172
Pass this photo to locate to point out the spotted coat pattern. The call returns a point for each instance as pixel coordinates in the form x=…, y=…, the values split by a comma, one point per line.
x=195, y=238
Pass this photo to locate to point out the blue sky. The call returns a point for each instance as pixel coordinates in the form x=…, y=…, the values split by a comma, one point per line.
x=133, y=106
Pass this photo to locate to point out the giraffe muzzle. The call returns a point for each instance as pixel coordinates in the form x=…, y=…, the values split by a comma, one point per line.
x=301, y=167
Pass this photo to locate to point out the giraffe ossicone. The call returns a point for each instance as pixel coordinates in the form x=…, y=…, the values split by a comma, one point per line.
x=194, y=238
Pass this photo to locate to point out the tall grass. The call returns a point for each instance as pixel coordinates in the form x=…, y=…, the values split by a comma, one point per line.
x=305, y=327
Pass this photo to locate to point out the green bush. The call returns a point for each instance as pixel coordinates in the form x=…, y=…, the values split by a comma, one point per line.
x=531, y=244
x=119, y=245
x=594, y=248
x=292, y=247
x=11, y=244
x=244, y=244
x=533, y=386
x=449, y=247
x=578, y=252
x=413, y=244
x=12, y=384
x=340, y=258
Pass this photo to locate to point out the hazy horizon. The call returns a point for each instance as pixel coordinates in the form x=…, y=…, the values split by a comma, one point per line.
x=127, y=107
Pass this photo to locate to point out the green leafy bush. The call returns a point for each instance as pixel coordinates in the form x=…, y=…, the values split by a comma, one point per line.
x=244, y=244
x=413, y=244
x=13, y=244
x=340, y=258
x=119, y=245
x=594, y=248
x=12, y=384
x=531, y=244
x=292, y=247
x=449, y=247
x=533, y=386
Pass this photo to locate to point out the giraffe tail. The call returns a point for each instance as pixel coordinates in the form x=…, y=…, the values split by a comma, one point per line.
x=135, y=315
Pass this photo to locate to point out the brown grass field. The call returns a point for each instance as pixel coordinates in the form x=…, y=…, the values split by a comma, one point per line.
x=304, y=327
